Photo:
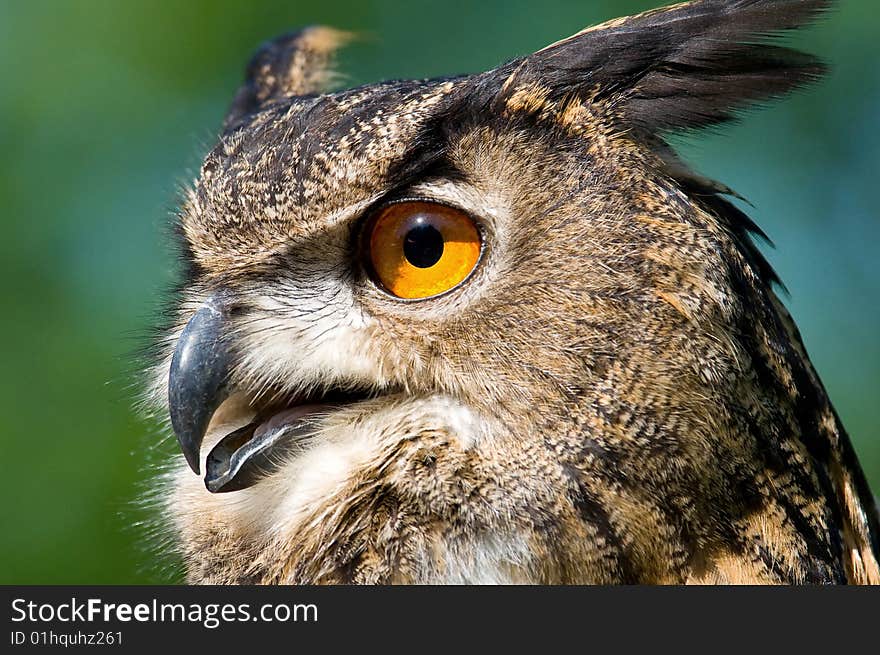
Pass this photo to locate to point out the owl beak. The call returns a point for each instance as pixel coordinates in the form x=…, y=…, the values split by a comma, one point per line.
x=198, y=381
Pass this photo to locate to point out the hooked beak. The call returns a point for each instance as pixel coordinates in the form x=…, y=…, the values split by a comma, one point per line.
x=198, y=381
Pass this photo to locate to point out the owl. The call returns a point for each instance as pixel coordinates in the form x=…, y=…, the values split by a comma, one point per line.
x=491, y=329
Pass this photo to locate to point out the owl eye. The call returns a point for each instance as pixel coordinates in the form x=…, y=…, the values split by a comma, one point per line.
x=422, y=249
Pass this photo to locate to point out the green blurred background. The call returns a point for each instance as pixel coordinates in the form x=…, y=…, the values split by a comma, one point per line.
x=105, y=111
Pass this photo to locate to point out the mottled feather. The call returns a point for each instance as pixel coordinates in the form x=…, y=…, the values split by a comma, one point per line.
x=615, y=395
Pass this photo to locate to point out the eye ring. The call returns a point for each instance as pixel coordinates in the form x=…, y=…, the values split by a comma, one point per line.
x=417, y=249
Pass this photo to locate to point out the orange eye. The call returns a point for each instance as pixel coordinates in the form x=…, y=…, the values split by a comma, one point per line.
x=421, y=249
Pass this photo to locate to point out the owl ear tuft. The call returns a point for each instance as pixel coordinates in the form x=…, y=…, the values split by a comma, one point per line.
x=295, y=64
x=681, y=67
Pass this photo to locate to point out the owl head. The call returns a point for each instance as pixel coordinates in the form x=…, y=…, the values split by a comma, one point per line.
x=490, y=326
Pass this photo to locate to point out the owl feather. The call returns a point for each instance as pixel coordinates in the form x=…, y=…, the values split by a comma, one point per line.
x=609, y=391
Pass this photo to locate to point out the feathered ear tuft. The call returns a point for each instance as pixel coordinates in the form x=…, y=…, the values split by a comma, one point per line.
x=681, y=67
x=294, y=64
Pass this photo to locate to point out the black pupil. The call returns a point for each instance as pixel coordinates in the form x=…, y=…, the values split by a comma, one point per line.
x=423, y=245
